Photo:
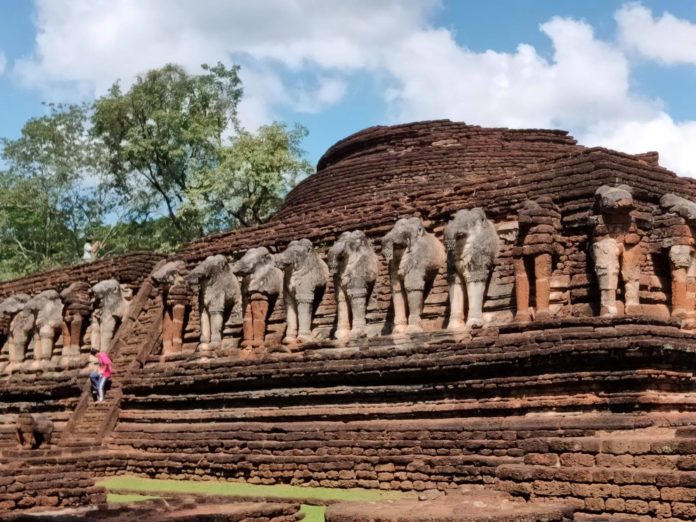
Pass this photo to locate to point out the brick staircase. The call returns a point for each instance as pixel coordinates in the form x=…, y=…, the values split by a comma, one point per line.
x=92, y=421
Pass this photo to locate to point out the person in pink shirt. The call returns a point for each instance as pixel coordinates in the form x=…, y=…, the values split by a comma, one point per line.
x=101, y=375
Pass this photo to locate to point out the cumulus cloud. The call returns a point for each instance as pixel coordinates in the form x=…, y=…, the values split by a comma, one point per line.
x=82, y=46
x=303, y=55
x=667, y=39
x=586, y=80
x=674, y=140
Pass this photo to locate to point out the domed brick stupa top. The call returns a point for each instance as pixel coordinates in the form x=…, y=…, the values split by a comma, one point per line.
x=381, y=170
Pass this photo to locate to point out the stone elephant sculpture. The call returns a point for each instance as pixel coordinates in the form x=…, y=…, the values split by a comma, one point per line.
x=415, y=257
x=77, y=307
x=680, y=244
x=110, y=307
x=48, y=322
x=171, y=277
x=33, y=431
x=219, y=297
x=305, y=278
x=262, y=282
x=616, y=248
x=355, y=267
x=20, y=324
x=472, y=248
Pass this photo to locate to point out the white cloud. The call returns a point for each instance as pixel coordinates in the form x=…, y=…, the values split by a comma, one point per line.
x=587, y=80
x=3, y=62
x=667, y=39
x=82, y=46
x=303, y=54
x=674, y=140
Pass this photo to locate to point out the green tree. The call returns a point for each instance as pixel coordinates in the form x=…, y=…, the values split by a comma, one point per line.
x=145, y=169
x=254, y=174
x=51, y=198
x=165, y=128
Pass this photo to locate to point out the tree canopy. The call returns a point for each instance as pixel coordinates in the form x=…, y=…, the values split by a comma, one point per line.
x=149, y=167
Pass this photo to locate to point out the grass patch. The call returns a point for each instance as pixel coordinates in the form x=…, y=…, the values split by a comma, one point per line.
x=115, y=498
x=240, y=489
x=313, y=513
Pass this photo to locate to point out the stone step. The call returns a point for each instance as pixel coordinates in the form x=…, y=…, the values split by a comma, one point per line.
x=624, y=445
x=640, y=478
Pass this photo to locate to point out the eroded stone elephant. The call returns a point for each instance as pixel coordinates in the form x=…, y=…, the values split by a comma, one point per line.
x=262, y=282
x=305, y=278
x=472, y=247
x=219, y=297
x=616, y=248
x=680, y=244
x=171, y=276
x=354, y=266
x=20, y=327
x=48, y=322
x=415, y=257
x=110, y=307
x=76, y=309
x=33, y=431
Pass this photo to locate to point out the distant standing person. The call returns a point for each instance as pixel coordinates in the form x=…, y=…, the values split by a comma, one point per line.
x=101, y=375
x=89, y=250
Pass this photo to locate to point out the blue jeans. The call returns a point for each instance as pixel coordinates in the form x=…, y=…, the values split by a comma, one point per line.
x=98, y=383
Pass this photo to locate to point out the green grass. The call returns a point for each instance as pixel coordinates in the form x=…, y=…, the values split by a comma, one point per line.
x=313, y=513
x=240, y=489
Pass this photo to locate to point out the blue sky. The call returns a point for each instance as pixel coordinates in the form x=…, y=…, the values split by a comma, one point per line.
x=614, y=73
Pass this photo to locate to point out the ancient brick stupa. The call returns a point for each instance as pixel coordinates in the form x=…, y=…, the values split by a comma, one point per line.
x=440, y=305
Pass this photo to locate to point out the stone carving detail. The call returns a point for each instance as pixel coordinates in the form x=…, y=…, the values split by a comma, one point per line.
x=414, y=257
x=616, y=248
x=354, y=266
x=33, y=431
x=537, y=243
x=680, y=242
x=175, y=296
x=262, y=282
x=20, y=326
x=472, y=247
x=109, y=309
x=48, y=322
x=219, y=297
x=76, y=308
x=305, y=278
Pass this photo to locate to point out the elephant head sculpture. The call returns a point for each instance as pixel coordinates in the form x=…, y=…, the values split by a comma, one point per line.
x=262, y=282
x=680, y=206
x=33, y=431
x=614, y=200
x=682, y=257
x=354, y=266
x=171, y=276
x=219, y=297
x=20, y=323
x=109, y=309
x=76, y=307
x=414, y=257
x=615, y=248
x=472, y=247
x=47, y=309
x=305, y=279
